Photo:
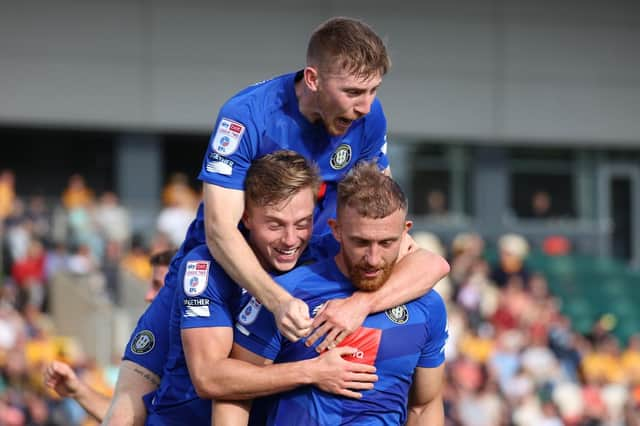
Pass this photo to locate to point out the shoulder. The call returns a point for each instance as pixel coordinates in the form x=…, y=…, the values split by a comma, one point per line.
x=433, y=305
x=200, y=252
x=201, y=273
x=292, y=281
x=258, y=100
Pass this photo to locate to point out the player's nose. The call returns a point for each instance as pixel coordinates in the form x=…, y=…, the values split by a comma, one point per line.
x=290, y=237
x=363, y=106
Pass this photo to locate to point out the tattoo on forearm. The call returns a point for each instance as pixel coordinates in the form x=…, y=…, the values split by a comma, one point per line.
x=151, y=378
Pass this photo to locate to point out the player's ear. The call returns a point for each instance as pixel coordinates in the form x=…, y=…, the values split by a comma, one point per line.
x=311, y=78
x=335, y=230
x=408, y=225
x=245, y=219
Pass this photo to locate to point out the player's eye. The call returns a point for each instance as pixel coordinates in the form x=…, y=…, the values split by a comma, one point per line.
x=303, y=224
x=386, y=243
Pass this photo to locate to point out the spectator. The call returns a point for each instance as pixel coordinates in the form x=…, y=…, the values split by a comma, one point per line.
x=29, y=274
x=178, y=191
x=112, y=219
x=436, y=204
x=136, y=261
x=77, y=194
x=541, y=205
x=7, y=194
x=174, y=219
x=512, y=252
x=40, y=217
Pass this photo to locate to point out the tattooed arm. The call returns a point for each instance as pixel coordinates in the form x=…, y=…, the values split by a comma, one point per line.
x=127, y=406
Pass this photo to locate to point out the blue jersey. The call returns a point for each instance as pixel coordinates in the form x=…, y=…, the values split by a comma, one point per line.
x=396, y=341
x=206, y=297
x=149, y=343
x=260, y=119
x=265, y=117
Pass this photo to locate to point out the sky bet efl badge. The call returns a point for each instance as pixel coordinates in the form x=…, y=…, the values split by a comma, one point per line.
x=227, y=137
x=196, y=276
x=250, y=312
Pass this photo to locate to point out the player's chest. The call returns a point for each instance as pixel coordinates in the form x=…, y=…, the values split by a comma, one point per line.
x=334, y=156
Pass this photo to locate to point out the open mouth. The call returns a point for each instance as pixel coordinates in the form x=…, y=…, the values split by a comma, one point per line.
x=344, y=122
x=370, y=273
x=287, y=252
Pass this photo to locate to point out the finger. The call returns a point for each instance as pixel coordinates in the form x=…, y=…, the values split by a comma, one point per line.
x=329, y=341
x=340, y=337
x=317, y=334
x=363, y=377
x=357, y=367
x=349, y=394
x=290, y=336
x=320, y=318
x=301, y=321
x=346, y=350
x=357, y=385
x=294, y=335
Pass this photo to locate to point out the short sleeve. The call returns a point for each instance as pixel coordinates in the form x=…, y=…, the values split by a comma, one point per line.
x=231, y=148
x=432, y=354
x=375, y=143
x=203, y=295
x=256, y=330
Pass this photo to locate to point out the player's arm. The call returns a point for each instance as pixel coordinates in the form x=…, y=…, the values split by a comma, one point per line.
x=329, y=372
x=415, y=273
x=425, y=398
x=127, y=407
x=216, y=376
x=223, y=211
x=61, y=378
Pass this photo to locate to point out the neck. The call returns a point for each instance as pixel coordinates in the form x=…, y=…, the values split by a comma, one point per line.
x=306, y=101
x=342, y=267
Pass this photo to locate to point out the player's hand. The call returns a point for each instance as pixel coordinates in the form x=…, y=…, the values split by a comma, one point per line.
x=338, y=319
x=335, y=375
x=61, y=378
x=292, y=318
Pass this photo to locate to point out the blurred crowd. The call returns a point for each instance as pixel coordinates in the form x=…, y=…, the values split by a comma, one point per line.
x=512, y=356
x=75, y=233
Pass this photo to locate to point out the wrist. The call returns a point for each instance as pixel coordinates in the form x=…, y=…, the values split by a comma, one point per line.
x=307, y=370
x=274, y=296
x=364, y=299
x=79, y=391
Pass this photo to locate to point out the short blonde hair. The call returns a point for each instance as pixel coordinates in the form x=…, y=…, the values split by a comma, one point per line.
x=278, y=176
x=350, y=44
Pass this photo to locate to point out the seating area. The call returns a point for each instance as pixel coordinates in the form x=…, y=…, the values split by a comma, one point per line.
x=591, y=287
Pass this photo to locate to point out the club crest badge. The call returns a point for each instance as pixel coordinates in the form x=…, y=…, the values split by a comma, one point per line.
x=143, y=342
x=340, y=157
x=398, y=315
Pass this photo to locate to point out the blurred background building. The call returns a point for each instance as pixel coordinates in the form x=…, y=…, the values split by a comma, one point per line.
x=504, y=117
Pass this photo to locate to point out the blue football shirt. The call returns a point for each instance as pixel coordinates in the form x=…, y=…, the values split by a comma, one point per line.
x=396, y=341
x=206, y=297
